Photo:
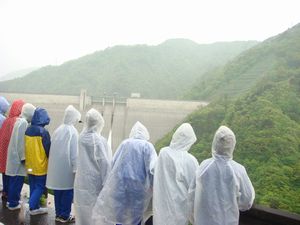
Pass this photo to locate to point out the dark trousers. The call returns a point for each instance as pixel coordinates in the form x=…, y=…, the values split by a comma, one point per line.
x=14, y=190
x=37, y=189
x=63, y=202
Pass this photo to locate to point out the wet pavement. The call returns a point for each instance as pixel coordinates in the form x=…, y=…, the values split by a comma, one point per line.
x=22, y=216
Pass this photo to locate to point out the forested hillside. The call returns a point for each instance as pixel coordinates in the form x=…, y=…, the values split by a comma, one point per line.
x=164, y=71
x=265, y=119
x=250, y=67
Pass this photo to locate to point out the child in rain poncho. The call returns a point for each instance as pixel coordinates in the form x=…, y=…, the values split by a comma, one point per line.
x=5, y=135
x=93, y=166
x=222, y=186
x=174, y=171
x=37, y=147
x=15, y=165
x=128, y=189
x=62, y=164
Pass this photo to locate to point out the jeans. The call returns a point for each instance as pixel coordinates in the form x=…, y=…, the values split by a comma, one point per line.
x=63, y=202
x=37, y=188
x=15, y=188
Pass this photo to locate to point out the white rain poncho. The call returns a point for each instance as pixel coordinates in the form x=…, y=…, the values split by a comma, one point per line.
x=16, y=147
x=128, y=189
x=222, y=186
x=174, y=172
x=94, y=164
x=63, y=152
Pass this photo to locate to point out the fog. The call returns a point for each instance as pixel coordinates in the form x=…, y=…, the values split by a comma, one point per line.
x=36, y=33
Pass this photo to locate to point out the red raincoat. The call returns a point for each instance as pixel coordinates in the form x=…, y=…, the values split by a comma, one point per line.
x=6, y=131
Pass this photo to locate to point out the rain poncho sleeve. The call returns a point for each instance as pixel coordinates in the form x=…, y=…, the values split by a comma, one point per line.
x=93, y=167
x=63, y=152
x=222, y=185
x=246, y=190
x=174, y=172
x=74, y=152
x=46, y=140
x=128, y=189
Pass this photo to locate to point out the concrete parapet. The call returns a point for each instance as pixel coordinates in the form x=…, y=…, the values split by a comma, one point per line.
x=43, y=98
x=164, y=104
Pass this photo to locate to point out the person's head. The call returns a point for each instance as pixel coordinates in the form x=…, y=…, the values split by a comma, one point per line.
x=224, y=142
x=27, y=111
x=94, y=121
x=16, y=108
x=72, y=115
x=139, y=131
x=183, y=138
x=40, y=117
x=4, y=105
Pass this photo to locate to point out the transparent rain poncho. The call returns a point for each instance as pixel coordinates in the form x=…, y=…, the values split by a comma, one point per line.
x=16, y=147
x=128, y=189
x=222, y=186
x=174, y=171
x=6, y=131
x=4, y=105
x=63, y=152
x=93, y=166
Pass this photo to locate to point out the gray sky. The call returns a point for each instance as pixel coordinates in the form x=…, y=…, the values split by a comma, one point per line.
x=42, y=32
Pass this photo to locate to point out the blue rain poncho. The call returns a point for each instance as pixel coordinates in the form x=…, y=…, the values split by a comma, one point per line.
x=15, y=165
x=128, y=189
x=4, y=105
x=222, y=186
x=63, y=152
x=93, y=166
x=174, y=172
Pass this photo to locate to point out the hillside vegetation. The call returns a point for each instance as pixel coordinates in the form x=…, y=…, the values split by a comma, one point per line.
x=264, y=113
x=250, y=67
x=164, y=71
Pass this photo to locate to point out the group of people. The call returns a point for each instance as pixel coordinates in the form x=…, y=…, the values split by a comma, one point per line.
x=126, y=188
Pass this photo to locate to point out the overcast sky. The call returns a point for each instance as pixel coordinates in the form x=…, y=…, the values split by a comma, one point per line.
x=42, y=32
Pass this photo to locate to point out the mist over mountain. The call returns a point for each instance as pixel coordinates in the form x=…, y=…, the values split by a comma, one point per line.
x=258, y=96
x=18, y=73
x=164, y=71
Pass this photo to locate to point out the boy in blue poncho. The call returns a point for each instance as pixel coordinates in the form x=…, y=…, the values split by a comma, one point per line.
x=37, y=146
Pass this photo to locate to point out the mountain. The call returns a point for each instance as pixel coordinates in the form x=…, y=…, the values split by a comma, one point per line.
x=164, y=71
x=249, y=67
x=263, y=112
x=18, y=73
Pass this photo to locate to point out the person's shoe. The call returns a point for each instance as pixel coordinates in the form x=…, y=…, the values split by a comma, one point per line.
x=71, y=219
x=15, y=207
x=4, y=196
x=57, y=218
x=38, y=211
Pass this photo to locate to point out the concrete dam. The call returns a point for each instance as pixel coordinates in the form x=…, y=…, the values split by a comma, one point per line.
x=159, y=116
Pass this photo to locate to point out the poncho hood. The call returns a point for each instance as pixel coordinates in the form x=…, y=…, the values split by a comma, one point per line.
x=183, y=138
x=223, y=143
x=72, y=115
x=139, y=131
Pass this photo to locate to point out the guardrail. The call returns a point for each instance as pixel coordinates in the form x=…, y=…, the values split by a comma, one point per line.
x=265, y=215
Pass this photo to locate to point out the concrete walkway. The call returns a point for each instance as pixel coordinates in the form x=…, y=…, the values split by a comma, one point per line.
x=22, y=216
